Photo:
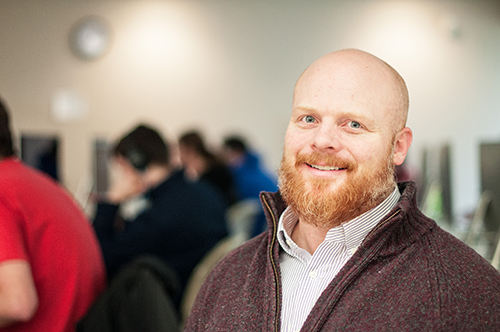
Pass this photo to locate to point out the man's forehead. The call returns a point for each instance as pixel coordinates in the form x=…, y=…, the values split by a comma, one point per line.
x=352, y=67
x=367, y=78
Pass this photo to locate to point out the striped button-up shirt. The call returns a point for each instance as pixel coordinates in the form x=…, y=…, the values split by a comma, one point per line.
x=305, y=276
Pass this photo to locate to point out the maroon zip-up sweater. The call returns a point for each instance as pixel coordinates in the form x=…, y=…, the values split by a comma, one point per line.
x=407, y=275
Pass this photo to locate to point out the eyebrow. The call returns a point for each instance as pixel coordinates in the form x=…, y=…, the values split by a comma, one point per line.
x=303, y=109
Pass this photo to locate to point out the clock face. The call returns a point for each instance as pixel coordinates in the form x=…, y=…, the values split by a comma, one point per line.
x=90, y=38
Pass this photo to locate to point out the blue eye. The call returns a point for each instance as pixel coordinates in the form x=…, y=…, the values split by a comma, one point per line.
x=354, y=124
x=309, y=119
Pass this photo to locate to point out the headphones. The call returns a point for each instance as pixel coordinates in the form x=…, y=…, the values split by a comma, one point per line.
x=137, y=158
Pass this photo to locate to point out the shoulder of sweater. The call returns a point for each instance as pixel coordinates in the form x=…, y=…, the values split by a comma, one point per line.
x=442, y=256
x=454, y=259
x=444, y=252
x=467, y=286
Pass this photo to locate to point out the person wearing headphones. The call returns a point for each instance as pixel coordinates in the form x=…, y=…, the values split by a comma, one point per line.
x=182, y=220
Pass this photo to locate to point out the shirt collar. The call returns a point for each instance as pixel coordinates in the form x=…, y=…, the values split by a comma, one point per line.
x=352, y=232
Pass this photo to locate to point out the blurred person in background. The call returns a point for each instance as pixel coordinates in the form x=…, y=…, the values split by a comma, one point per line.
x=249, y=175
x=182, y=221
x=51, y=267
x=200, y=164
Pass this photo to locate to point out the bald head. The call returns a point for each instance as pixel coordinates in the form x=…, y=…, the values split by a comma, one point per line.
x=369, y=78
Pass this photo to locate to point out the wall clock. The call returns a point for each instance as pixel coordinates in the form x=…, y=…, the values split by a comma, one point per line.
x=90, y=38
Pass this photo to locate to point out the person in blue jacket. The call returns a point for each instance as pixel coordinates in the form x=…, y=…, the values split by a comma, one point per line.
x=249, y=176
x=181, y=222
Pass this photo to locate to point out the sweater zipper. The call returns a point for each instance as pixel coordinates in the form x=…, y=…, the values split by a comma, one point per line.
x=275, y=268
x=382, y=223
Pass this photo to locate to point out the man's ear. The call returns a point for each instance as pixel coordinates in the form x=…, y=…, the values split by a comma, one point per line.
x=123, y=164
x=401, y=145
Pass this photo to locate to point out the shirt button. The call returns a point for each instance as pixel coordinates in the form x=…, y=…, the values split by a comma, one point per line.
x=313, y=274
x=353, y=250
x=289, y=243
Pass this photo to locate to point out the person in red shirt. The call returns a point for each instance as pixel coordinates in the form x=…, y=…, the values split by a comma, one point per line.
x=51, y=267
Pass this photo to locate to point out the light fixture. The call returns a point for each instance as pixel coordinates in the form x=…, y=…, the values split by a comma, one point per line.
x=90, y=38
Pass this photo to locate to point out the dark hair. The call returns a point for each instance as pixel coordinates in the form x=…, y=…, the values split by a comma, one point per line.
x=6, y=146
x=194, y=141
x=235, y=143
x=143, y=146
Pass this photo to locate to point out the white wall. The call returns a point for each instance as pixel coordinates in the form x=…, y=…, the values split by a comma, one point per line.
x=230, y=66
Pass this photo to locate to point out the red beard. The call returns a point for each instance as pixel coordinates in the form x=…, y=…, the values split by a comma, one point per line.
x=313, y=201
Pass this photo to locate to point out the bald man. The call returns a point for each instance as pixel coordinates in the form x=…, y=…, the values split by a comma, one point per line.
x=347, y=248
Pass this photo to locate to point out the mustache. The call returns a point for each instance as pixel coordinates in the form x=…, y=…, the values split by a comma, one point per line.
x=316, y=158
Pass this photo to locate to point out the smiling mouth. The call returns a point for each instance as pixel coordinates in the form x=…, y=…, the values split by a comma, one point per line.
x=326, y=168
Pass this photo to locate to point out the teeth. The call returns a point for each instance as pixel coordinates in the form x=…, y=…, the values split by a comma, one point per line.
x=326, y=168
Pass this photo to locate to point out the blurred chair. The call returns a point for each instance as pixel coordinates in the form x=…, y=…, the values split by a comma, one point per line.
x=477, y=224
x=241, y=217
x=202, y=270
x=485, y=242
x=495, y=261
x=138, y=298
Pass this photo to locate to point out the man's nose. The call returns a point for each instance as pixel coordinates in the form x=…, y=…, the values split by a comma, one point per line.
x=326, y=138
